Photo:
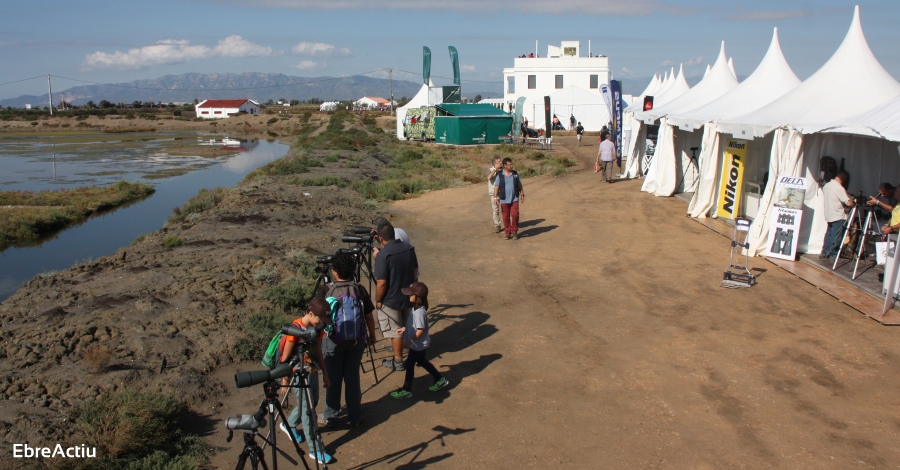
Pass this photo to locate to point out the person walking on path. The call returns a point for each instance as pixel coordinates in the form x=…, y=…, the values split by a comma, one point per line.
x=510, y=193
x=579, y=132
x=415, y=335
x=605, y=157
x=396, y=267
x=493, y=171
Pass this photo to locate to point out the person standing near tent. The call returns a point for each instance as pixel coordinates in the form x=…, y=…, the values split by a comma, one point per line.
x=836, y=204
x=510, y=193
x=579, y=132
x=493, y=171
x=605, y=157
x=572, y=122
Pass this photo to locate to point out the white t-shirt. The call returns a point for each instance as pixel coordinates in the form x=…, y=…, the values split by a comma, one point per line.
x=835, y=199
x=607, y=149
x=400, y=234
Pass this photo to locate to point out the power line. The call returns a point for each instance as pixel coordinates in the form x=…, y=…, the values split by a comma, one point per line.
x=212, y=89
x=23, y=80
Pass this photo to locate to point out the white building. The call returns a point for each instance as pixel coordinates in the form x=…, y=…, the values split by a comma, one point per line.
x=562, y=67
x=371, y=102
x=220, y=109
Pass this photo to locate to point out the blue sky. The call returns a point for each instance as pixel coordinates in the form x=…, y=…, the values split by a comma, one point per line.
x=114, y=41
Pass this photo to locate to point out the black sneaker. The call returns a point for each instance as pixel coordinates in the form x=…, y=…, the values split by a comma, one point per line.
x=392, y=364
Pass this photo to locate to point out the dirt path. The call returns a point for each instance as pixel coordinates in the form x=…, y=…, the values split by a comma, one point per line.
x=601, y=339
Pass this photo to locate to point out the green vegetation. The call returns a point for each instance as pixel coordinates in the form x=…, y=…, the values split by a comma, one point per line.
x=285, y=166
x=37, y=214
x=332, y=157
x=172, y=242
x=137, y=431
x=320, y=181
x=204, y=200
x=258, y=331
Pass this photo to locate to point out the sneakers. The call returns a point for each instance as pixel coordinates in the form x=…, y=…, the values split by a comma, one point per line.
x=508, y=236
x=439, y=384
x=392, y=364
x=297, y=434
x=516, y=235
x=498, y=229
x=401, y=394
x=321, y=457
x=325, y=422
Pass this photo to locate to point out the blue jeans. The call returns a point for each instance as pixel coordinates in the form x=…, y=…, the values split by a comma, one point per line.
x=299, y=412
x=833, y=238
x=342, y=363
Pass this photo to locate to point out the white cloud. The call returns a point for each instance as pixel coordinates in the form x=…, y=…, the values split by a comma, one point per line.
x=309, y=65
x=466, y=68
x=627, y=72
x=236, y=46
x=667, y=63
x=320, y=49
x=173, y=51
x=694, y=61
x=590, y=7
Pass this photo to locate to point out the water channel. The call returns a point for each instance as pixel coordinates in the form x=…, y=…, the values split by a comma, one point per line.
x=72, y=161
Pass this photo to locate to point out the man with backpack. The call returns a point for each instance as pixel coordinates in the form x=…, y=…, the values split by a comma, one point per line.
x=344, y=346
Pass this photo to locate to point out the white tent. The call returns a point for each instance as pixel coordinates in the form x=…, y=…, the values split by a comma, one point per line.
x=588, y=108
x=771, y=80
x=677, y=86
x=883, y=122
x=822, y=100
x=672, y=168
x=421, y=99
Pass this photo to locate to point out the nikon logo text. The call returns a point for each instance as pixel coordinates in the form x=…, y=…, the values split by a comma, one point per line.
x=731, y=187
x=737, y=145
x=76, y=452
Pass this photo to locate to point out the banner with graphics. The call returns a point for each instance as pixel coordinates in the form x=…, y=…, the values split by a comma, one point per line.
x=732, y=179
x=615, y=88
x=650, y=150
x=454, y=61
x=784, y=222
x=607, y=97
x=426, y=64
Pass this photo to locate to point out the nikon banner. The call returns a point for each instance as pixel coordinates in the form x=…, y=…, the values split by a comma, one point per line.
x=732, y=179
x=784, y=222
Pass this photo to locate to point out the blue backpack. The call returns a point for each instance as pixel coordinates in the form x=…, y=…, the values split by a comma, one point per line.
x=346, y=313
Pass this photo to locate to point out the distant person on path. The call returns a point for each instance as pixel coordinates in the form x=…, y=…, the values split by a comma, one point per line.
x=344, y=351
x=396, y=267
x=836, y=204
x=416, y=337
x=605, y=158
x=508, y=189
x=579, y=132
x=493, y=171
x=572, y=122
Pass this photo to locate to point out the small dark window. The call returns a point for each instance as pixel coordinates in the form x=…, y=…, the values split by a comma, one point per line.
x=559, y=81
x=594, y=81
x=510, y=84
x=532, y=82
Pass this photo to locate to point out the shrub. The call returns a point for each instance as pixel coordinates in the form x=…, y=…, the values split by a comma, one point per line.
x=204, y=200
x=320, y=181
x=172, y=242
x=272, y=121
x=266, y=275
x=408, y=155
x=258, y=331
x=290, y=297
x=97, y=357
x=304, y=262
x=127, y=427
x=139, y=239
x=332, y=157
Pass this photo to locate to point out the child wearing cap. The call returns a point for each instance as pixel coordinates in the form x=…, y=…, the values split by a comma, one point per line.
x=416, y=338
x=317, y=314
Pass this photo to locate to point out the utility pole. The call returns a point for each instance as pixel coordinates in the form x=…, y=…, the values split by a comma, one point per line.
x=391, y=81
x=50, y=94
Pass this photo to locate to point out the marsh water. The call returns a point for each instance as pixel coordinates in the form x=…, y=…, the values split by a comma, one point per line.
x=161, y=160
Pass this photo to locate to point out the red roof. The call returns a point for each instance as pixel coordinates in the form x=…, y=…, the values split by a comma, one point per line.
x=376, y=99
x=223, y=103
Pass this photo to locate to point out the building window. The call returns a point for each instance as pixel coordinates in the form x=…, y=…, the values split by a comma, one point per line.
x=532, y=82
x=594, y=81
x=510, y=84
x=217, y=112
x=559, y=81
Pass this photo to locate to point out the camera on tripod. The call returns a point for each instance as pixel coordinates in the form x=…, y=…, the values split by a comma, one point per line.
x=358, y=239
x=861, y=201
x=244, y=423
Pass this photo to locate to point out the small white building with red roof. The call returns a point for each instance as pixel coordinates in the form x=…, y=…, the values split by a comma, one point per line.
x=371, y=102
x=221, y=109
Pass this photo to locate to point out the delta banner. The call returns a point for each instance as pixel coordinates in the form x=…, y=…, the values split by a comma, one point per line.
x=784, y=220
x=454, y=61
x=615, y=88
x=426, y=64
x=732, y=179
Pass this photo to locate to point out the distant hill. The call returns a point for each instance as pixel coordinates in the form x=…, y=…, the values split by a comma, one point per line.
x=257, y=86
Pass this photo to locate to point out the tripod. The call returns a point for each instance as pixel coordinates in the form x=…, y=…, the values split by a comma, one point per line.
x=300, y=380
x=864, y=232
x=271, y=406
x=692, y=165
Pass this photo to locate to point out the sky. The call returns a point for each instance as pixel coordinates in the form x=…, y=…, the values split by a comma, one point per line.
x=104, y=41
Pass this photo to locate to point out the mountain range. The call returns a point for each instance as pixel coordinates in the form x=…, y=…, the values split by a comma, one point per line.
x=260, y=87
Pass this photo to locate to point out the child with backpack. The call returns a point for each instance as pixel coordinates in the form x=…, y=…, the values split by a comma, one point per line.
x=416, y=337
x=344, y=346
x=316, y=314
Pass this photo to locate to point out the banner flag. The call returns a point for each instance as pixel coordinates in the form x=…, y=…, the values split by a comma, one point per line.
x=650, y=150
x=454, y=60
x=784, y=222
x=517, y=125
x=732, y=179
x=426, y=64
x=615, y=88
x=607, y=97
x=547, y=122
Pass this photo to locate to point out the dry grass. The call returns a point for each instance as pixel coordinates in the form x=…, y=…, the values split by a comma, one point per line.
x=97, y=357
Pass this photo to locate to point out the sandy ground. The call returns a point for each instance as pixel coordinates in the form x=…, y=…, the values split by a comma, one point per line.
x=601, y=339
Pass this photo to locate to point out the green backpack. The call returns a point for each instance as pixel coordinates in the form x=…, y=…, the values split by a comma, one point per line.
x=273, y=352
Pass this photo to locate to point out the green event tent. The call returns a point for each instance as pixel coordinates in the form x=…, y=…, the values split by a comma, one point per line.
x=471, y=124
